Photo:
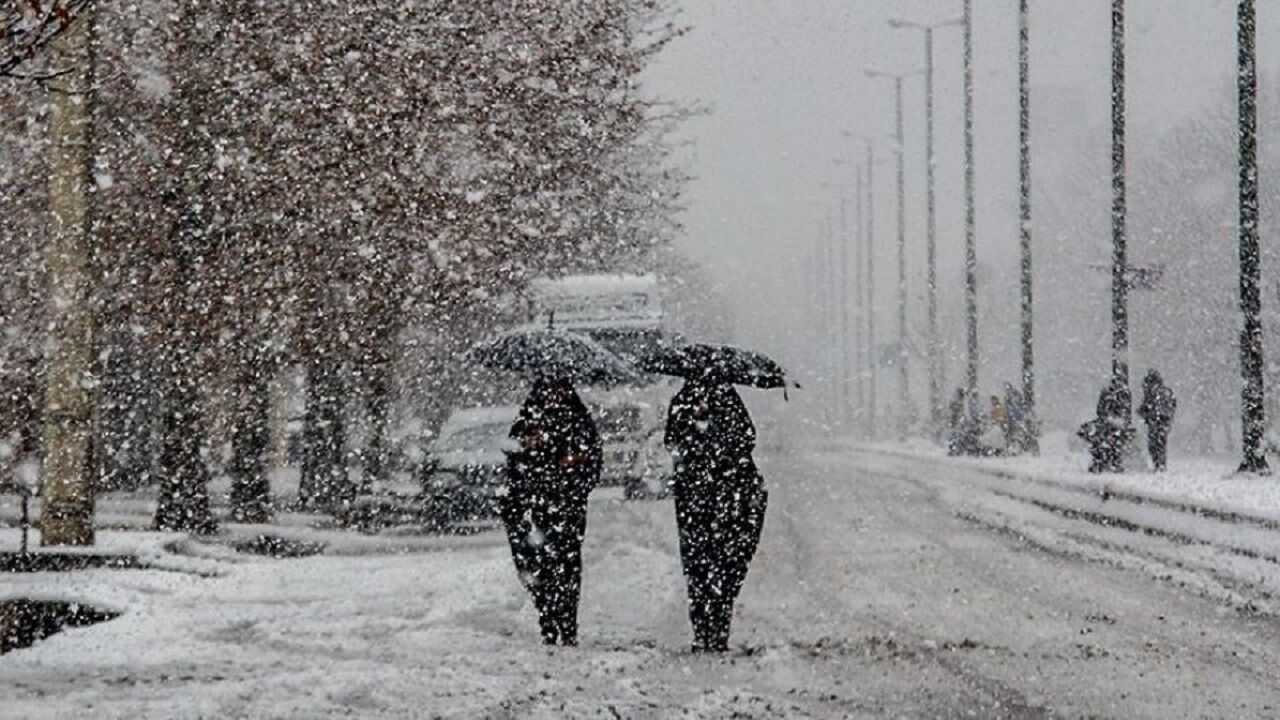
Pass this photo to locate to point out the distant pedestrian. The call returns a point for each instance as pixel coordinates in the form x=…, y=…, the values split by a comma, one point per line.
x=992, y=441
x=1015, y=428
x=1157, y=410
x=998, y=416
x=956, y=438
x=545, y=509
x=1110, y=433
x=720, y=503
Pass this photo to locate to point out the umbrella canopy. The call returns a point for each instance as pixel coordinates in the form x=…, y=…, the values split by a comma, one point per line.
x=723, y=364
x=549, y=354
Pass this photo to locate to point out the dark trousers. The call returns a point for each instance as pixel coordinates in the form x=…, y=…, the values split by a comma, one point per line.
x=1158, y=445
x=720, y=521
x=1108, y=442
x=545, y=530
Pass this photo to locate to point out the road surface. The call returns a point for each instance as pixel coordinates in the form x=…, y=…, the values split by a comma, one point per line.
x=875, y=594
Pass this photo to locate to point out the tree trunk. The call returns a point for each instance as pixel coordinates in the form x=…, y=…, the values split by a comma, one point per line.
x=376, y=468
x=184, y=480
x=324, y=484
x=67, y=516
x=124, y=413
x=250, y=438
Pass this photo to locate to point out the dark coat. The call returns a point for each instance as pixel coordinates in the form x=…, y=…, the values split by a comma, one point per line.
x=1158, y=403
x=560, y=447
x=1114, y=402
x=720, y=502
x=545, y=509
x=710, y=431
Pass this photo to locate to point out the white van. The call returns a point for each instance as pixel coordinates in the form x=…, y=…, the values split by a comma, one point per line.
x=624, y=313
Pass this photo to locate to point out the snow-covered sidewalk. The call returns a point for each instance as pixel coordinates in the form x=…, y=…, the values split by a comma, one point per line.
x=1195, y=484
x=443, y=631
x=1199, y=525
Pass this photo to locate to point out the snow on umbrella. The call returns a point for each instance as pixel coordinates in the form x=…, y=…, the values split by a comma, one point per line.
x=715, y=363
x=550, y=354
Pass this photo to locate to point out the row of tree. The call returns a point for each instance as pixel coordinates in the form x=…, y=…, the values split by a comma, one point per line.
x=202, y=194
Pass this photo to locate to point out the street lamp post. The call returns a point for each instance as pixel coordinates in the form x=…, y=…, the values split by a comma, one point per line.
x=931, y=219
x=1024, y=174
x=970, y=231
x=824, y=286
x=843, y=296
x=871, y=292
x=1119, y=208
x=1253, y=415
x=859, y=304
x=818, y=298
x=904, y=387
x=831, y=332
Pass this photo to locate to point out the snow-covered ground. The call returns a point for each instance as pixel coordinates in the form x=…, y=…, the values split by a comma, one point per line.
x=886, y=586
x=1208, y=484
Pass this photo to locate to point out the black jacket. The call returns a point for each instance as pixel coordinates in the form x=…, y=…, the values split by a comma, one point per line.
x=709, y=429
x=1158, y=403
x=1114, y=402
x=560, y=447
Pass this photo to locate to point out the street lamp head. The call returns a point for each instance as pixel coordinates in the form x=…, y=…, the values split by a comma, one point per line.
x=873, y=73
x=900, y=24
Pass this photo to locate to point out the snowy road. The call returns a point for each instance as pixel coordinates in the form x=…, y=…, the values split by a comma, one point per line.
x=875, y=594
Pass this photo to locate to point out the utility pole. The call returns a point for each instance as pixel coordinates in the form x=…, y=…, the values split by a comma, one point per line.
x=813, y=272
x=871, y=292
x=904, y=388
x=970, y=229
x=1024, y=174
x=904, y=395
x=846, y=366
x=1119, y=208
x=1253, y=413
x=822, y=334
x=931, y=220
x=67, y=513
x=931, y=245
x=830, y=278
x=859, y=302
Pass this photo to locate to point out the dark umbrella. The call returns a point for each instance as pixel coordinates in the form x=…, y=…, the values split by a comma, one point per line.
x=720, y=364
x=549, y=354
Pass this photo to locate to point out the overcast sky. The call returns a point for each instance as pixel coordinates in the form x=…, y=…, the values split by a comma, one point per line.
x=783, y=81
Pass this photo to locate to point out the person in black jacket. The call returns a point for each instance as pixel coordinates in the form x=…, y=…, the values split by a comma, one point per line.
x=1157, y=409
x=720, y=503
x=545, y=509
x=1110, y=434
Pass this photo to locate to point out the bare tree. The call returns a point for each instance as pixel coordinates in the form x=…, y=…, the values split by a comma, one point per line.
x=28, y=28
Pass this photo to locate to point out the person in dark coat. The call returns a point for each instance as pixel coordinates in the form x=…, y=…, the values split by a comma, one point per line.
x=1015, y=428
x=720, y=503
x=1157, y=410
x=1110, y=433
x=545, y=509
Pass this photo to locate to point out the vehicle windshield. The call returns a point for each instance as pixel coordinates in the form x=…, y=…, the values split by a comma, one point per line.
x=479, y=437
x=615, y=422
